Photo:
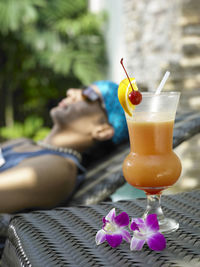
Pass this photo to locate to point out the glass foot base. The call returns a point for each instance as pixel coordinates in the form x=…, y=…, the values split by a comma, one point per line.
x=168, y=225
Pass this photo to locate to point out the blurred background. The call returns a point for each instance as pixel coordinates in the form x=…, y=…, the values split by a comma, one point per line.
x=47, y=46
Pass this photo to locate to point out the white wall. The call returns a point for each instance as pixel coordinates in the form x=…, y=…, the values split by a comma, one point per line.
x=113, y=34
x=96, y=6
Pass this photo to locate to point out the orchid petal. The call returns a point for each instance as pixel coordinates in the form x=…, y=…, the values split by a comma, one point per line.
x=122, y=219
x=134, y=226
x=104, y=222
x=136, y=243
x=114, y=240
x=125, y=235
x=137, y=224
x=111, y=215
x=152, y=222
x=100, y=237
x=156, y=241
x=138, y=220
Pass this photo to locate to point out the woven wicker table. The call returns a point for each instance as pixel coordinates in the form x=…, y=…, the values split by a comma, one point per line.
x=66, y=236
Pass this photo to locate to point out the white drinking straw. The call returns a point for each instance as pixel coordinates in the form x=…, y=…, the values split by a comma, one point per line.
x=162, y=83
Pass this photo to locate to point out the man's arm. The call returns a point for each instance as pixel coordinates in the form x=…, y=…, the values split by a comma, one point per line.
x=43, y=182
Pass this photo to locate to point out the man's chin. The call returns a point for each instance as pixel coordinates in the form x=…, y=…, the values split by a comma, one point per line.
x=53, y=112
x=58, y=115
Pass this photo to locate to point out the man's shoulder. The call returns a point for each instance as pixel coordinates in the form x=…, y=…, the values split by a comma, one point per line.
x=15, y=141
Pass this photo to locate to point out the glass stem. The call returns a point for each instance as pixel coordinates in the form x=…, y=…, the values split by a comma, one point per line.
x=154, y=207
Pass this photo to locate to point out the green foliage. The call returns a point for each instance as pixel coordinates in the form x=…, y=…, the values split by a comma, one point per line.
x=58, y=32
x=14, y=14
x=46, y=47
x=32, y=128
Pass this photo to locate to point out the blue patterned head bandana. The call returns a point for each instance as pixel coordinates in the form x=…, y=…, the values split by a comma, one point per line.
x=114, y=110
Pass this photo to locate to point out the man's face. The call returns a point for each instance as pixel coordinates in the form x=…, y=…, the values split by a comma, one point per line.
x=76, y=113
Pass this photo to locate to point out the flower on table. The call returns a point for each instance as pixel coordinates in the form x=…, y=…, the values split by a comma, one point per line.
x=113, y=229
x=147, y=231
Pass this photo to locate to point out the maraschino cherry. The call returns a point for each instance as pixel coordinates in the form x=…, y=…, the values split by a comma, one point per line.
x=135, y=96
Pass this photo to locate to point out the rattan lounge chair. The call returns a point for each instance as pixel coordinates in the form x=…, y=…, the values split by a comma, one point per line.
x=105, y=176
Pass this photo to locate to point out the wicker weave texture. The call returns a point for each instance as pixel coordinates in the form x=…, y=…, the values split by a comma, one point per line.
x=66, y=237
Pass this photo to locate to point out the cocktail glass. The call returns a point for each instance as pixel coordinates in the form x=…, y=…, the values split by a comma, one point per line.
x=152, y=164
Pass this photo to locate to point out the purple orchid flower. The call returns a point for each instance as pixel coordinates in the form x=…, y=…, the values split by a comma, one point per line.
x=147, y=231
x=113, y=229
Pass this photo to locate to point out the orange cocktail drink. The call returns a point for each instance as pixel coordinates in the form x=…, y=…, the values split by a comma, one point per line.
x=151, y=165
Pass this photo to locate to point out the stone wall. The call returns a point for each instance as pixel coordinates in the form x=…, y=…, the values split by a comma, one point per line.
x=160, y=36
x=165, y=35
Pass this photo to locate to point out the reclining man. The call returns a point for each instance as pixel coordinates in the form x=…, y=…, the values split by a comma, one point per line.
x=45, y=174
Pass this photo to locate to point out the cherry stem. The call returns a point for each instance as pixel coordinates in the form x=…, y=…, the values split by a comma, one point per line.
x=121, y=61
